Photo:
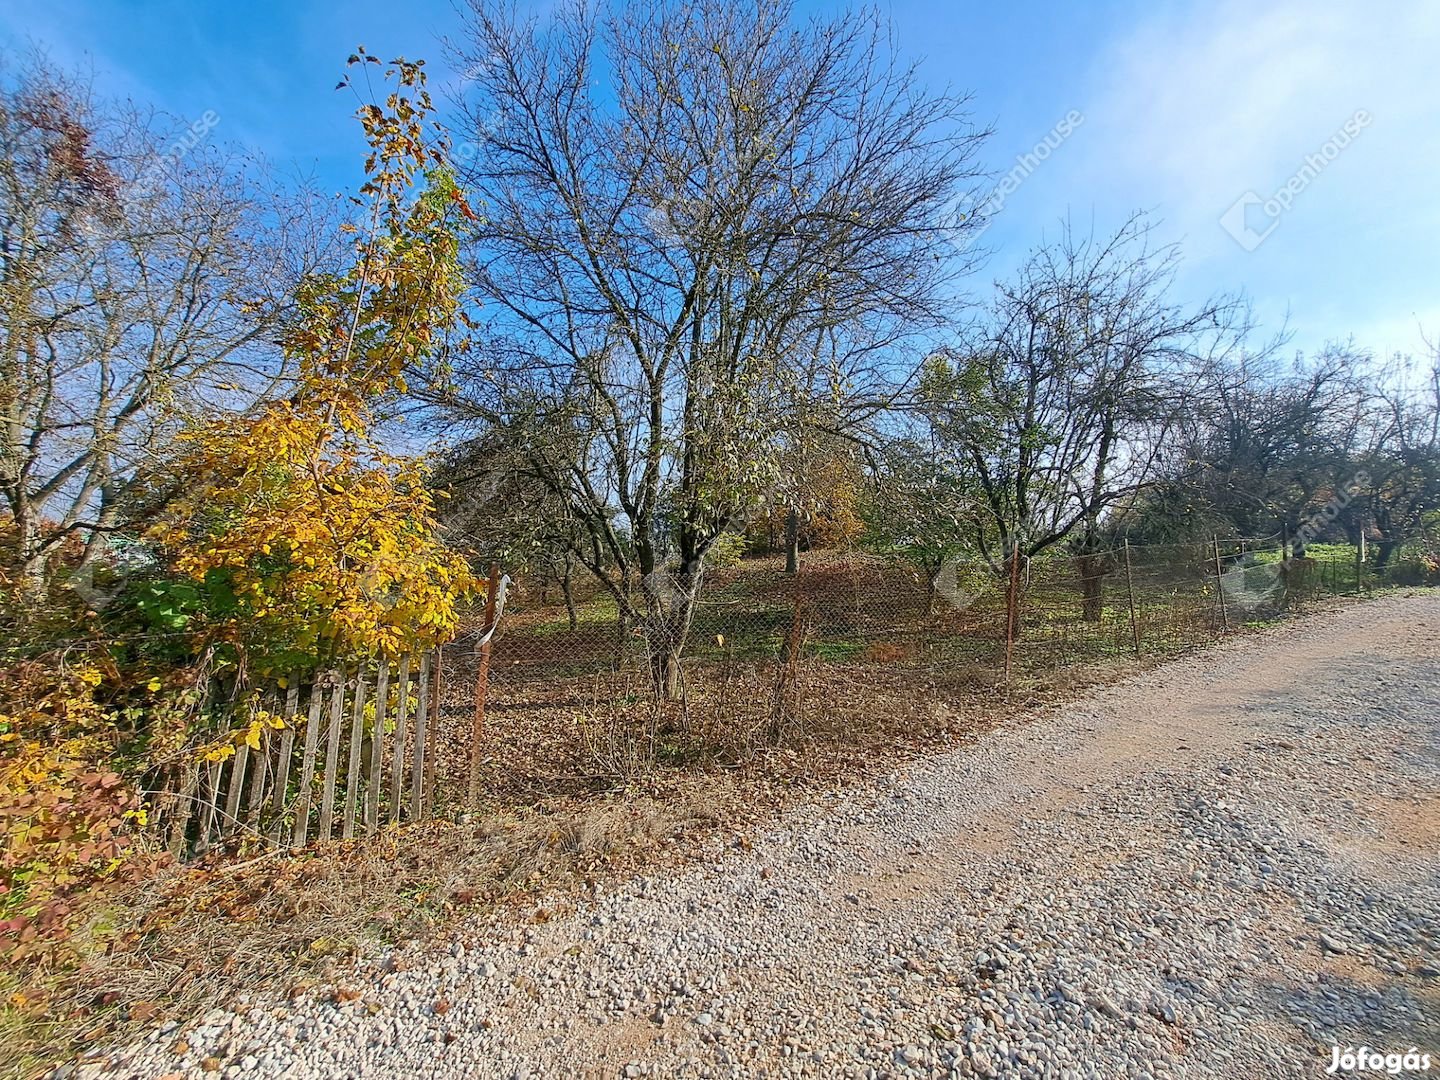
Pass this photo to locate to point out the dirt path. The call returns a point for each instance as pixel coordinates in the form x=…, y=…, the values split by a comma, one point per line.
x=1224, y=867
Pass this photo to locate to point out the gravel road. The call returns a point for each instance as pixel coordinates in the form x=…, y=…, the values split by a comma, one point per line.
x=1221, y=868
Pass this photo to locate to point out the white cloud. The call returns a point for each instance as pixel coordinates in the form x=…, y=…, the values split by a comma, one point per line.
x=1189, y=109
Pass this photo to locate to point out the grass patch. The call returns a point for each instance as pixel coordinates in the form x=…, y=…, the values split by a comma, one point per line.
x=597, y=611
x=837, y=652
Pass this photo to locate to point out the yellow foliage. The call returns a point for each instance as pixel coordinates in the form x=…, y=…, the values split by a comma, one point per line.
x=827, y=498
x=835, y=514
x=324, y=546
x=63, y=812
x=313, y=538
x=250, y=735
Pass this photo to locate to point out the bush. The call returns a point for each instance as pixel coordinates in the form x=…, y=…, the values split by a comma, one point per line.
x=66, y=816
x=727, y=551
x=1418, y=569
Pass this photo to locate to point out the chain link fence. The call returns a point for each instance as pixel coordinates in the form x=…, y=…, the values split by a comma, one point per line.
x=850, y=656
x=854, y=615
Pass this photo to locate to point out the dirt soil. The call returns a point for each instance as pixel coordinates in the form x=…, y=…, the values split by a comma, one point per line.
x=1229, y=865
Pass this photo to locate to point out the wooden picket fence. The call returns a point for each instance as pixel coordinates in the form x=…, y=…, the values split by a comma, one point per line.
x=356, y=751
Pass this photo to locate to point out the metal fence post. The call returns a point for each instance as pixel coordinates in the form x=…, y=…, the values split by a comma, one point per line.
x=1130, y=588
x=1220, y=588
x=482, y=685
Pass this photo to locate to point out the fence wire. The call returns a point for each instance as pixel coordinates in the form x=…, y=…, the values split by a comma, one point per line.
x=865, y=611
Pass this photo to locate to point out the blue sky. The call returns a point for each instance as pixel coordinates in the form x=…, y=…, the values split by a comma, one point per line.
x=1186, y=109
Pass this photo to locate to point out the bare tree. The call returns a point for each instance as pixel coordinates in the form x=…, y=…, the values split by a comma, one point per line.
x=1264, y=445
x=140, y=272
x=680, y=201
x=1062, y=399
x=1402, y=458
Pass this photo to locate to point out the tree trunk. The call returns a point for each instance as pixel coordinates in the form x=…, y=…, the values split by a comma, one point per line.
x=792, y=541
x=665, y=670
x=32, y=559
x=1385, y=548
x=1092, y=587
x=567, y=587
x=669, y=610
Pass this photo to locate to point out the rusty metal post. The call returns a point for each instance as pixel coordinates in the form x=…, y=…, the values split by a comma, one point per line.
x=482, y=686
x=1012, y=611
x=1130, y=587
x=1220, y=588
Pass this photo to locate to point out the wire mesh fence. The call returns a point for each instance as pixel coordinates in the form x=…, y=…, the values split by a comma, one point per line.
x=854, y=645
x=860, y=647
x=554, y=690
x=854, y=615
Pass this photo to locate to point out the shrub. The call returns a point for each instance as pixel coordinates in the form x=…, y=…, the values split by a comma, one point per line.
x=66, y=815
x=1422, y=568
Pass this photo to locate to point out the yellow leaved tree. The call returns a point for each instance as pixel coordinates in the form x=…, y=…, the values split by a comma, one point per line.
x=310, y=539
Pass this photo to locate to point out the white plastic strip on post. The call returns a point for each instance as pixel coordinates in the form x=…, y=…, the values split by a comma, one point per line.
x=499, y=607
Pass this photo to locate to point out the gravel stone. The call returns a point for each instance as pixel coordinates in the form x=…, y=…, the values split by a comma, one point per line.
x=1129, y=885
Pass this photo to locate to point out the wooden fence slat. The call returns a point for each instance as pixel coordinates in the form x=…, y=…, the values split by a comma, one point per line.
x=433, y=734
x=260, y=770
x=307, y=765
x=282, y=758
x=402, y=712
x=209, y=804
x=377, y=748
x=332, y=754
x=237, y=785
x=243, y=769
x=352, y=772
x=417, y=760
x=191, y=792
x=269, y=745
x=165, y=800
x=262, y=767
x=185, y=807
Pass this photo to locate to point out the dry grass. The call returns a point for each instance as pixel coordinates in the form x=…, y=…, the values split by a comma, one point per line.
x=585, y=782
x=196, y=936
